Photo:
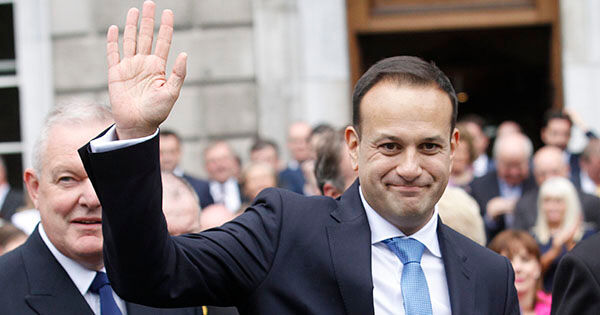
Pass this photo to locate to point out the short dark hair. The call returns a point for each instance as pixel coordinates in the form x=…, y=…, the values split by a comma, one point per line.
x=169, y=132
x=403, y=70
x=327, y=164
x=260, y=143
x=556, y=114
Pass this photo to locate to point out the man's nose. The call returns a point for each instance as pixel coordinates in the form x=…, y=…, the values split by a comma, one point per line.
x=409, y=167
x=88, y=197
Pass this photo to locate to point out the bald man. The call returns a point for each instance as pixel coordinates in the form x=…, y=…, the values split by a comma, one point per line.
x=549, y=162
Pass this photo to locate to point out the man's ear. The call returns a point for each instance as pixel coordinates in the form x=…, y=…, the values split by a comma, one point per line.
x=454, y=138
x=352, y=142
x=32, y=182
x=330, y=191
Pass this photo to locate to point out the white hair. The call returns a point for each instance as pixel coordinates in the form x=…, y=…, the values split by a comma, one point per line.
x=558, y=187
x=73, y=112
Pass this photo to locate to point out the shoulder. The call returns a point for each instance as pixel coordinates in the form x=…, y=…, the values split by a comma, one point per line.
x=587, y=250
x=12, y=271
x=483, y=257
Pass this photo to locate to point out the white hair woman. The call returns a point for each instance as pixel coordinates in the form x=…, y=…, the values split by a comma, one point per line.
x=559, y=224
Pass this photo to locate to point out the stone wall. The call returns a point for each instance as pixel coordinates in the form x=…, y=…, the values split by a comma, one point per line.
x=254, y=66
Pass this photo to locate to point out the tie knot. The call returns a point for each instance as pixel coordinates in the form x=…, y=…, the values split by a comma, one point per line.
x=407, y=249
x=99, y=281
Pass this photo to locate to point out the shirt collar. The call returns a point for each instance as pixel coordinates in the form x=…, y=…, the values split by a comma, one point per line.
x=81, y=276
x=381, y=229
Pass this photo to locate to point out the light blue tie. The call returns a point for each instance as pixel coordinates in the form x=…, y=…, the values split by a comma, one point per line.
x=413, y=283
x=100, y=286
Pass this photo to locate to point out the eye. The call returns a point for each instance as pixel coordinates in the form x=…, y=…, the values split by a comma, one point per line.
x=390, y=148
x=430, y=147
x=66, y=180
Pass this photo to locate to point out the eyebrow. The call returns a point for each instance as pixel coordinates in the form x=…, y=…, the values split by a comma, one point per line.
x=397, y=139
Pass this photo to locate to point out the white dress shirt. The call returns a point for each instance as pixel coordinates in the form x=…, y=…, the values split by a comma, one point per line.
x=81, y=276
x=227, y=193
x=387, y=267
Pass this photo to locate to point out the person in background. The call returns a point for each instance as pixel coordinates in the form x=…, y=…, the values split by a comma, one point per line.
x=559, y=225
x=11, y=237
x=256, y=177
x=333, y=168
x=590, y=168
x=170, y=158
x=483, y=163
x=292, y=177
x=557, y=132
x=507, y=127
x=524, y=254
x=461, y=212
x=180, y=205
x=319, y=134
x=498, y=191
x=10, y=198
x=223, y=168
x=548, y=162
x=462, y=167
x=265, y=151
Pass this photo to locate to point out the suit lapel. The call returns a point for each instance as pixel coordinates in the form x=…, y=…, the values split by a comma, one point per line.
x=52, y=291
x=461, y=282
x=350, y=246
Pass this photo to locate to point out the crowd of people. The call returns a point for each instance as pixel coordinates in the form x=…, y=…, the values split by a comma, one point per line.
x=531, y=206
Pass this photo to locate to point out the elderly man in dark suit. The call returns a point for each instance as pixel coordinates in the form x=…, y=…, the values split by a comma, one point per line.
x=498, y=191
x=60, y=268
x=380, y=248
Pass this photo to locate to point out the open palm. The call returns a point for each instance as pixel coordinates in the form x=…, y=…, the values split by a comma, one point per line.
x=140, y=93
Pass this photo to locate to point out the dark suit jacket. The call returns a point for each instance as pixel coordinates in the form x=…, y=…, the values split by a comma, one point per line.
x=526, y=209
x=484, y=188
x=576, y=287
x=14, y=199
x=202, y=190
x=287, y=254
x=32, y=281
x=292, y=179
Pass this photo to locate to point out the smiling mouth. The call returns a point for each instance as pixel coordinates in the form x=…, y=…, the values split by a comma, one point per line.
x=87, y=222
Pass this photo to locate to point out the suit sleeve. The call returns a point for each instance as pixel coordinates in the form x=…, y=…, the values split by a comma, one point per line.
x=576, y=288
x=512, y=300
x=147, y=266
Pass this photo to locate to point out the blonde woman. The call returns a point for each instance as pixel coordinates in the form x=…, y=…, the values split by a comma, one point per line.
x=559, y=224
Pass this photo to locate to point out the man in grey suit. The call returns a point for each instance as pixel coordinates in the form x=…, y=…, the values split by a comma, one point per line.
x=58, y=267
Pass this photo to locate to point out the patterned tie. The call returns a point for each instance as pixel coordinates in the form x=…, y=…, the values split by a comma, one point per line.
x=413, y=283
x=100, y=286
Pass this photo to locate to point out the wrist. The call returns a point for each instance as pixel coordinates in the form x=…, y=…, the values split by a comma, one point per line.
x=134, y=133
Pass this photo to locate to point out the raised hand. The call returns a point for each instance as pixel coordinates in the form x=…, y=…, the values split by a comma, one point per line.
x=140, y=94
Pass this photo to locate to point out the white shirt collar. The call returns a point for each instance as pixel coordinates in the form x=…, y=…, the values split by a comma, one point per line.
x=381, y=229
x=81, y=276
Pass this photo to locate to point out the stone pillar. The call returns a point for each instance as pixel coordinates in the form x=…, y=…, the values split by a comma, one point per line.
x=581, y=63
